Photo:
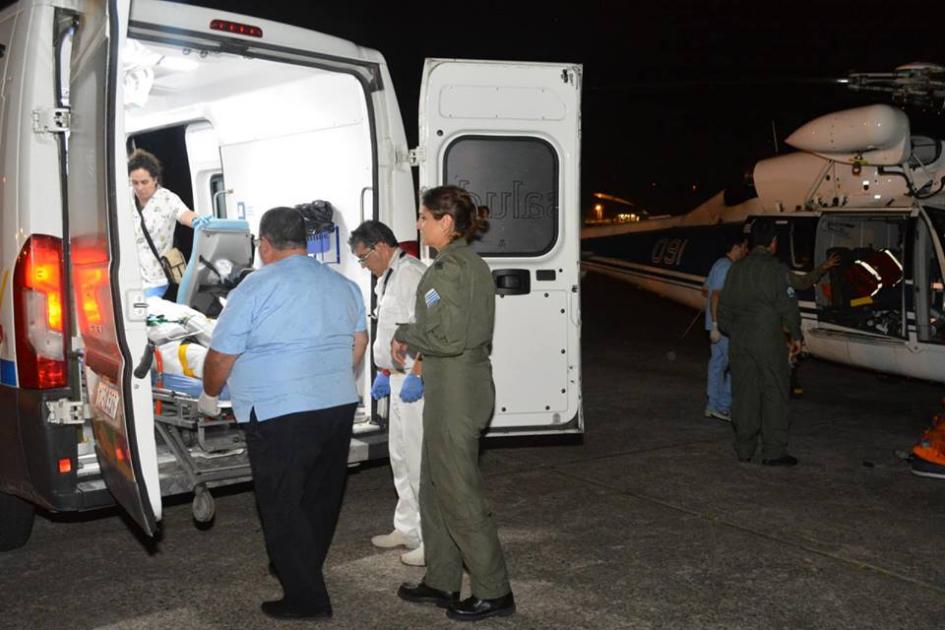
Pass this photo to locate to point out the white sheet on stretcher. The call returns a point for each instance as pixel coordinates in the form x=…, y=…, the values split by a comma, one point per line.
x=182, y=321
x=178, y=364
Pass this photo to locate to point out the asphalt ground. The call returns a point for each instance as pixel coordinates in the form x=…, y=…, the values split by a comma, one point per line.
x=646, y=522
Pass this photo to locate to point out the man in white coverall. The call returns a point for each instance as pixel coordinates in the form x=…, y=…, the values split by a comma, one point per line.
x=398, y=275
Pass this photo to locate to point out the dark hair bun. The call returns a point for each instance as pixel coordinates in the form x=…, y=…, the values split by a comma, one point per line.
x=481, y=222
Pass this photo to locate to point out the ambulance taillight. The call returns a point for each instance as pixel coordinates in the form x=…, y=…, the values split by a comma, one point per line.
x=38, y=302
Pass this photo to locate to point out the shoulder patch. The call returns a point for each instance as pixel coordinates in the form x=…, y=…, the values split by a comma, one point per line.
x=431, y=297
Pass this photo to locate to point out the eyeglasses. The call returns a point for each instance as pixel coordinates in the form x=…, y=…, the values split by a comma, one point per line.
x=257, y=241
x=363, y=257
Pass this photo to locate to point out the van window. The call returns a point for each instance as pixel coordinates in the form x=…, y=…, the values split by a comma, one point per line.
x=517, y=179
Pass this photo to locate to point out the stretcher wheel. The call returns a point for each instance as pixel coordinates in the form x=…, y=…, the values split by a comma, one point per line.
x=203, y=506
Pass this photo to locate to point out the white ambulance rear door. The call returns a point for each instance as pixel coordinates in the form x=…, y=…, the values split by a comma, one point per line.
x=510, y=133
x=109, y=305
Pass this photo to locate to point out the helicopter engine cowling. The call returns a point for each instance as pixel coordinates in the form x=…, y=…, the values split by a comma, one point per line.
x=875, y=134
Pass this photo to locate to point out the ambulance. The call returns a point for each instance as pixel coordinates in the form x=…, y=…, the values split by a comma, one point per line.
x=261, y=114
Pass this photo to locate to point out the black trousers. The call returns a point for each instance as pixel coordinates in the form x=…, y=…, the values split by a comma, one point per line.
x=299, y=463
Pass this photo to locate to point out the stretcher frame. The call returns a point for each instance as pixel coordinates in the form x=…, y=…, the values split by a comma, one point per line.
x=218, y=456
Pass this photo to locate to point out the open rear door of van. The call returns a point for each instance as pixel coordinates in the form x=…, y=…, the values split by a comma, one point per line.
x=110, y=318
x=510, y=133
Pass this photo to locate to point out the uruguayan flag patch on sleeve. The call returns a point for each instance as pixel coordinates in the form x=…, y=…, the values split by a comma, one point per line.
x=431, y=297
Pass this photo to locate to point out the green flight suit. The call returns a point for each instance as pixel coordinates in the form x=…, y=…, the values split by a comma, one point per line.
x=756, y=306
x=806, y=281
x=455, y=314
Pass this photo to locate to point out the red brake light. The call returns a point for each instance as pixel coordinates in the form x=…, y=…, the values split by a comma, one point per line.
x=38, y=304
x=65, y=465
x=235, y=27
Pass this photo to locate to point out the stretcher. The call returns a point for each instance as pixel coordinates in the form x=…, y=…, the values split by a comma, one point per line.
x=208, y=452
x=203, y=453
x=199, y=453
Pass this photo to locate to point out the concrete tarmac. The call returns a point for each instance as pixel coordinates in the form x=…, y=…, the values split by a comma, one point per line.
x=648, y=522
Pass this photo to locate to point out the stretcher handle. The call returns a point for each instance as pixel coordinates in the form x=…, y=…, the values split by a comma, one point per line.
x=144, y=366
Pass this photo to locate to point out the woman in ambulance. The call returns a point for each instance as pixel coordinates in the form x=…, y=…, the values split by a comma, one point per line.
x=158, y=210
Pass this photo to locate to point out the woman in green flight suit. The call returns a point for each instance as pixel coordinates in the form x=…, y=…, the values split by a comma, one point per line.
x=455, y=314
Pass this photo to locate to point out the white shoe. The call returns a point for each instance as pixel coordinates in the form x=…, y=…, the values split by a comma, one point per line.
x=391, y=540
x=718, y=415
x=414, y=557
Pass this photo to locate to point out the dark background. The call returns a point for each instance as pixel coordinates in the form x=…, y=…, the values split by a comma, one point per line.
x=680, y=98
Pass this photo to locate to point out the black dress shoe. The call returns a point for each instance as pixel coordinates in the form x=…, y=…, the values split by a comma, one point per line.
x=784, y=460
x=280, y=609
x=474, y=609
x=423, y=594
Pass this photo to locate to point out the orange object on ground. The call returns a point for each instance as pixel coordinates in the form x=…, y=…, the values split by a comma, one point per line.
x=929, y=454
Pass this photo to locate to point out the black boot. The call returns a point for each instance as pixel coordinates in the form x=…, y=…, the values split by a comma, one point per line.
x=423, y=594
x=474, y=609
x=784, y=460
x=280, y=609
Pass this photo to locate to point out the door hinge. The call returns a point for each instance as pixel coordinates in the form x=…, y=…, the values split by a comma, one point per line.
x=65, y=411
x=416, y=156
x=53, y=120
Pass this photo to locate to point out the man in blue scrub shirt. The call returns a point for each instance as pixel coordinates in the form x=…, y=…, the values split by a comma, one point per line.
x=287, y=344
x=719, y=385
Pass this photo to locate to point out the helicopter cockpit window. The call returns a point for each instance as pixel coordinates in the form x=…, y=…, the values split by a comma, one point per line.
x=865, y=291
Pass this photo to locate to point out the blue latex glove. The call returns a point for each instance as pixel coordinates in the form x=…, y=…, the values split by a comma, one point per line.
x=412, y=391
x=200, y=221
x=381, y=386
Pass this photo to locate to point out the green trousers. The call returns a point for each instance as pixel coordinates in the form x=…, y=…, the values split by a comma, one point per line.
x=760, y=382
x=457, y=523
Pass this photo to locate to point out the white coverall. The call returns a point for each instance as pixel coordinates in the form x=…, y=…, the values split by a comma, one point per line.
x=396, y=292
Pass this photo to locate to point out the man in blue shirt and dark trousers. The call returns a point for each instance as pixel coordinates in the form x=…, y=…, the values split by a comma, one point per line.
x=287, y=344
x=719, y=386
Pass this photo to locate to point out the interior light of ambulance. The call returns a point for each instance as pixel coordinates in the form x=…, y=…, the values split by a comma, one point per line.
x=37, y=296
x=65, y=465
x=235, y=27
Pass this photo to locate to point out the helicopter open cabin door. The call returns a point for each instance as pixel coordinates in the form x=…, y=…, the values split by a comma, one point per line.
x=509, y=133
x=862, y=303
x=110, y=318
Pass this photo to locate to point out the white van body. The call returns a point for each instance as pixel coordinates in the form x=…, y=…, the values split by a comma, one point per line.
x=268, y=114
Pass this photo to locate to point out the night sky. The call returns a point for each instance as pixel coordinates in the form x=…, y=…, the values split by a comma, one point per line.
x=680, y=98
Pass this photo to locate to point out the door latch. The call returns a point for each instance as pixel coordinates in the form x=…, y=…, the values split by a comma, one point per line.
x=53, y=120
x=416, y=156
